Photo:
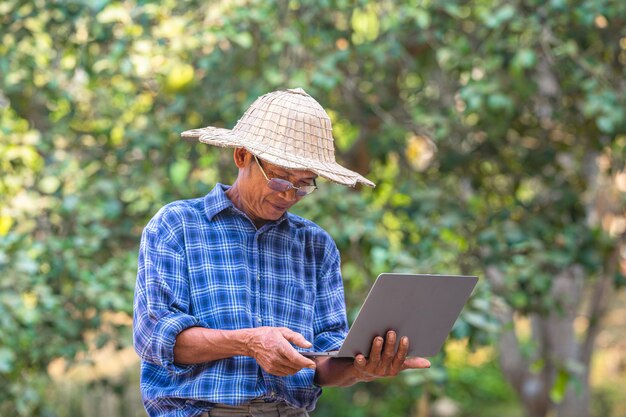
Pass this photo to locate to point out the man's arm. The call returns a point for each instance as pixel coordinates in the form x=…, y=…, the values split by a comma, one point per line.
x=270, y=346
x=382, y=362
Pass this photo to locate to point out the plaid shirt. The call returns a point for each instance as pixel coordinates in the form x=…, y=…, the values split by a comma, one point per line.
x=202, y=262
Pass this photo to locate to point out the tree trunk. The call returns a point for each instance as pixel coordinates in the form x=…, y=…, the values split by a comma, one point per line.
x=556, y=351
x=532, y=388
x=577, y=399
x=563, y=348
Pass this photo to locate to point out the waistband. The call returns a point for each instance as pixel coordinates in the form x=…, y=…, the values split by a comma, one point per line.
x=256, y=408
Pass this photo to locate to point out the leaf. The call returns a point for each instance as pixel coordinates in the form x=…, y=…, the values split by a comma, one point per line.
x=422, y=18
x=49, y=184
x=243, y=39
x=115, y=12
x=525, y=58
x=605, y=124
x=501, y=16
x=461, y=329
x=179, y=77
x=499, y=102
x=179, y=171
x=365, y=24
x=6, y=222
x=477, y=320
x=557, y=392
x=7, y=359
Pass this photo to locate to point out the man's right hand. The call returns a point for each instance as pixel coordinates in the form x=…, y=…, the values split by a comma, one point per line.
x=271, y=347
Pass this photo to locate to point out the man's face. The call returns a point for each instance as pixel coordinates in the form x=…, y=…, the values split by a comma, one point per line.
x=258, y=200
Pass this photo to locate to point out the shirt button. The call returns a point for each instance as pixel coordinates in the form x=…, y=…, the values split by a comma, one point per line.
x=258, y=277
x=258, y=319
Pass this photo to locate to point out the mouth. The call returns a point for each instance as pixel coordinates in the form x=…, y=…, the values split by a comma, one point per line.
x=279, y=207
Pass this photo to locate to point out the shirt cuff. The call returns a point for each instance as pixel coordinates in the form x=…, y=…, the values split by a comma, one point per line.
x=164, y=339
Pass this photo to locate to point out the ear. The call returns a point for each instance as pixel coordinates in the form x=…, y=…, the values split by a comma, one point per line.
x=242, y=157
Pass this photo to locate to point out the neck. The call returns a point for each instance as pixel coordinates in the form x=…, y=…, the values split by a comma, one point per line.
x=233, y=195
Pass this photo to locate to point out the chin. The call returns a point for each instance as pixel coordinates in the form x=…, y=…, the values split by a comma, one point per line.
x=277, y=216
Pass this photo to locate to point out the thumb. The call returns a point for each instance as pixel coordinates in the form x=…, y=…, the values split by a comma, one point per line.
x=416, y=363
x=296, y=338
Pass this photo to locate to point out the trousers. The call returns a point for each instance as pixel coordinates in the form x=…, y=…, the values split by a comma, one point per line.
x=256, y=408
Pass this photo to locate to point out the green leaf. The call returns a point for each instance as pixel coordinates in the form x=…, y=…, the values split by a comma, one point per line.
x=7, y=359
x=605, y=124
x=243, y=39
x=526, y=58
x=557, y=392
x=501, y=16
x=499, y=102
x=179, y=171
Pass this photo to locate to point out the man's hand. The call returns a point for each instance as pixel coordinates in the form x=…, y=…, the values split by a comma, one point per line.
x=384, y=360
x=271, y=348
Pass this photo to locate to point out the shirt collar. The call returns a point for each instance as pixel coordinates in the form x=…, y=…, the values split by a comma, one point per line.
x=217, y=201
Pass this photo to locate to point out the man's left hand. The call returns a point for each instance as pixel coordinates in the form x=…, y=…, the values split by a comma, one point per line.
x=385, y=361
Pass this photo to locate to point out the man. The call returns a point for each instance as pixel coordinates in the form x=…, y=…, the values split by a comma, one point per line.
x=232, y=287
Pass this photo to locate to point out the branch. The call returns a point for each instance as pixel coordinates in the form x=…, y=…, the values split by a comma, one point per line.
x=514, y=365
x=599, y=304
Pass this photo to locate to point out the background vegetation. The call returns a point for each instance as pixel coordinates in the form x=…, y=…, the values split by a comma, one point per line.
x=495, y=130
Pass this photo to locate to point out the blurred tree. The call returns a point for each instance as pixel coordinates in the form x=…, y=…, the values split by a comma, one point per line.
x=495, y=131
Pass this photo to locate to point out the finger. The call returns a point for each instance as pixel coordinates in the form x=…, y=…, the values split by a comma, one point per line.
x=286, y=364
x=361, y=365
x=305, y=362
x=275, y=364
x=390, y=347
x=416, y=363
x=282, y=370
x=398, y=360
x=295, y=359
x=295, y=338
x=377, y=346
x=360, y=361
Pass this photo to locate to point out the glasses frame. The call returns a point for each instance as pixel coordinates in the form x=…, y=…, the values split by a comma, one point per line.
x=280, y=185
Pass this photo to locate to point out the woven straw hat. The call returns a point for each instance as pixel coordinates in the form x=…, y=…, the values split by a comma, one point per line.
x=286, y=128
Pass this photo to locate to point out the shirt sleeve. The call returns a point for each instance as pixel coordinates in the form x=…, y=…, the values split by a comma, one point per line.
x=330, y=322
x=161, y=306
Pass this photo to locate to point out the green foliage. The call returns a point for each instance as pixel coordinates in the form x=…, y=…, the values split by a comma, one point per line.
x=364, y=401
x=478, y=121
x=470, y=386
x=474, y=386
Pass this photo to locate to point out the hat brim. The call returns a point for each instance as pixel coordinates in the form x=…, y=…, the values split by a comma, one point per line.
x=229, y=139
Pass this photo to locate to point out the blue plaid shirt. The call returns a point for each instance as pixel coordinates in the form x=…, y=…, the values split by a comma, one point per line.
x=202, y=262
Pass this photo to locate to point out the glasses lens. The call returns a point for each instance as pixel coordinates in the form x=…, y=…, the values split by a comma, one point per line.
x=279, y=185
x=306, y=190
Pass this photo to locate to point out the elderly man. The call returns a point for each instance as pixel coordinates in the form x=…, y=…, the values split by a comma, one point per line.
x=231, y=288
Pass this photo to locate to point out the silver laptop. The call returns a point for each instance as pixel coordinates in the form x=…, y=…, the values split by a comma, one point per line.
x=422, y=307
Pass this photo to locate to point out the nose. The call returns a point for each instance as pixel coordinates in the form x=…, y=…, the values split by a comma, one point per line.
x=289, y=195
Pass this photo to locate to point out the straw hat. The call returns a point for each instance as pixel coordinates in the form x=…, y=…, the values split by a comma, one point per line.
x=286, y=128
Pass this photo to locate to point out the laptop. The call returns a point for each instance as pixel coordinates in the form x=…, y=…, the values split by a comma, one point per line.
x=422, y=307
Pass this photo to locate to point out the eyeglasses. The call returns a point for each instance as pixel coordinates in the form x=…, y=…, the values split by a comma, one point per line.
x=280, y=185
